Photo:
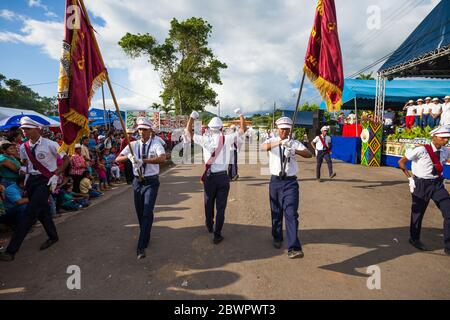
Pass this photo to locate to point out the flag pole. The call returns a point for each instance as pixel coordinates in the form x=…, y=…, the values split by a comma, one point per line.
x=298, y=101
x=104, y=110
x=109, y=82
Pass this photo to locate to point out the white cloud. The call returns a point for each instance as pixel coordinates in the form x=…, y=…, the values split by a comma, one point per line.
x=38, y=4
x=262, y=42
x=6, y=14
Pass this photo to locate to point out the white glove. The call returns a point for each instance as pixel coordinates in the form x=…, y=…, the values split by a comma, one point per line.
x=287, y=143
x=238, y=111
x=289, y=152
x=138, y=163
x=195, y=115
x=132, y=158
x=23, y=169
x=53, y=182
x=412, y=184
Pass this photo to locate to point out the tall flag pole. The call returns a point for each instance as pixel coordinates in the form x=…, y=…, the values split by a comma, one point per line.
x=81, y=72
x=323, y=61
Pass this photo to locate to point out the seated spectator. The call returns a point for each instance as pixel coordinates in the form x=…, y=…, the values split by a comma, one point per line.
x=86, y=186
x=15, y=203
x=9, y=165
x=71, y=200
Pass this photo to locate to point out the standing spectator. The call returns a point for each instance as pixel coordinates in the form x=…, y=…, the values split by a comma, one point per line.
x=78, y=166
x=128, y=165
x=85, y=151
x=351, y=119
x=9, y=165
x=341, y=122
x=419, y=114
x=101, y=171
x=445, y=118
x=436, y=111
x=410, y=109
x=109, y=161
x=426, y=112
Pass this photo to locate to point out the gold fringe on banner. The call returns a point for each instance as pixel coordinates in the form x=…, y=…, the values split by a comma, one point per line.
x=324, y=87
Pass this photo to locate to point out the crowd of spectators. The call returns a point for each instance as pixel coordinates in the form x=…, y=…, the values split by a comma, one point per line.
x=92, y=171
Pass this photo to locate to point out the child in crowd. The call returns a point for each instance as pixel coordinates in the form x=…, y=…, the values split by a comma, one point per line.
x=71, y=200
x=101, y=172
x=86, y=188
x=109, y=161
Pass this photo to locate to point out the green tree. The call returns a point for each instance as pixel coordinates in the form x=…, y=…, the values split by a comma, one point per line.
x=185, y=64
x=365, y=76
x=14, y=94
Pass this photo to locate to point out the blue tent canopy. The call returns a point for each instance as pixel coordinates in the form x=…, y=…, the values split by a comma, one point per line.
x=97, y=116
x=397, y=91
x=431, y=37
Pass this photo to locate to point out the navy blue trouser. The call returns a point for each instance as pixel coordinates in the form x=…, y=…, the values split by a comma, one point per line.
x=216, y=192
x=321, y=154
x=144, y=202
x=427, y=189
x=233, y=166
x=37, y=209
x=284, y=199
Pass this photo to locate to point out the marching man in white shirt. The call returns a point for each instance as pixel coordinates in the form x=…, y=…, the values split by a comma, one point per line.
x=283, y=187
x=322, y=145
x=39, y=156
x=216, y=153
x=427, y=182
x=148, y=154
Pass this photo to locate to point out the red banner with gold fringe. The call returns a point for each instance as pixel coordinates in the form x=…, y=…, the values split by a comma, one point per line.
x=81, y=72
x=323, y=60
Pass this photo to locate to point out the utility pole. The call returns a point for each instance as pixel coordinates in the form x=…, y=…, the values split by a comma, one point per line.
x=273, y=115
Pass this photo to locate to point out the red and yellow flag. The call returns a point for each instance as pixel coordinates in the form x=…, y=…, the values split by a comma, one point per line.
x=323, y=60
x=81, y=72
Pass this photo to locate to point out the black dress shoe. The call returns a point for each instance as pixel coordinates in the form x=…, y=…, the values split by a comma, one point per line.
x=140, y=254
x=418, y=244
x=47, y=244
x=447, y=252
x=209, y=228
x=333, y=175
x=277, y=243
x=5, y=256
x=217, y=239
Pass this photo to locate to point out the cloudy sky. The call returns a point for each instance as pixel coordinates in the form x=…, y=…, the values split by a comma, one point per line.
x=263, y=42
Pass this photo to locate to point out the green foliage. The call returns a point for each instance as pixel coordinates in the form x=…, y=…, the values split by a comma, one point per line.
x=415, y=132
x=14, y=94
x=308, y=107
x=185, y=64
x=365, y=76
x=298, y=133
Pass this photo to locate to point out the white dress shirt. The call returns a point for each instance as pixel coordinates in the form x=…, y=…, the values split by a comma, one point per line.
x=275, y=160
x=46, y=152
x=156, y=150
x=422, y=165
x=209, y=143
x=410, y=110
x=436, y=108
x=319, y=145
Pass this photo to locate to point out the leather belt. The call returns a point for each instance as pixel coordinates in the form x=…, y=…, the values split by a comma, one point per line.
x=218, y=173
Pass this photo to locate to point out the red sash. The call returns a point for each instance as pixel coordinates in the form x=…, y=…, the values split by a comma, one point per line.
x=436, y=162
x=324, y=144
x=213, y=156
x=35, y=162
